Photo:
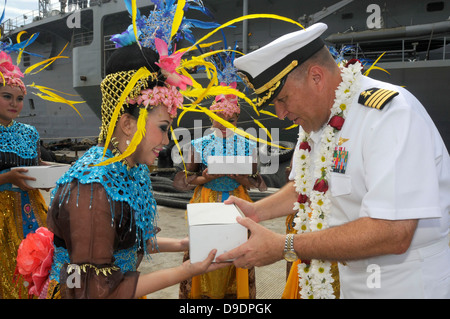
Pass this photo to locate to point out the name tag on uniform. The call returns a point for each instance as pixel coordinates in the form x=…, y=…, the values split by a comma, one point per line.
x=340, y=158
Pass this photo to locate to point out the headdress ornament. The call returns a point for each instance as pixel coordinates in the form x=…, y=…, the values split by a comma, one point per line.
x=10, y=73
x=150, y=86
x=226, y=104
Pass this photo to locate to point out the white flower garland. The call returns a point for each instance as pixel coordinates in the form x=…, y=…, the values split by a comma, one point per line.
x=315, y=277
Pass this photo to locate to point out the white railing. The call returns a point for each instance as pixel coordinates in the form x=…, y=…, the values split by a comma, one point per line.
x=52, y=8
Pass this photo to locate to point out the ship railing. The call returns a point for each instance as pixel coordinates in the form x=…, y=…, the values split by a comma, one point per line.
x=13, y=23
x=82, y=39
x=407, y=50
x=52, y=8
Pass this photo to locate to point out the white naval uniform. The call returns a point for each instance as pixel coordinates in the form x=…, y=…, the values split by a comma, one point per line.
x=398, y=168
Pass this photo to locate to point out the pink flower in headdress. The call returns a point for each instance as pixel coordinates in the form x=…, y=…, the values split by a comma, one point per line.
x=168, y=96
x=169, y=64
x=227, y=104
x=8, y=68
x=11, y=72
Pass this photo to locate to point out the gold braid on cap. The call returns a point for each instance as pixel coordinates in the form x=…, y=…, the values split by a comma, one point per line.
x=112, y=88
x=260, y=101
x=270, y=87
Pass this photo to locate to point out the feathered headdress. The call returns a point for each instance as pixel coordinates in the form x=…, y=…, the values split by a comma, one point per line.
x=10, y=73
x=226, y=104
x=216, y=89
x=159, y=31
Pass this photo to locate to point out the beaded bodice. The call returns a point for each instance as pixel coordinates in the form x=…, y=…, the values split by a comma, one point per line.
x=18, y=145
x=132, y=186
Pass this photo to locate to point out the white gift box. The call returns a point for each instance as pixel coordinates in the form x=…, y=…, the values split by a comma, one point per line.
x=230, y=165
x=46, y=175
x=213, y=226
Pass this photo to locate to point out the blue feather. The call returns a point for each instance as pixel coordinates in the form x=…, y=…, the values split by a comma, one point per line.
x=3, y=14
x=201, y=24
x=130, y=9
x=201, y=9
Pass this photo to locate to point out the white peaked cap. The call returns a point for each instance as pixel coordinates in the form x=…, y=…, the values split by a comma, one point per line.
x=264, y=68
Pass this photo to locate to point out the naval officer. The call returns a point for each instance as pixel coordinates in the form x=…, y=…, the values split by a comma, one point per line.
x=370, y=178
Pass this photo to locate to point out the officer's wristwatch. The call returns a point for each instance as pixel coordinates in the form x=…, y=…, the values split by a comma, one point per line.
x=289, y=253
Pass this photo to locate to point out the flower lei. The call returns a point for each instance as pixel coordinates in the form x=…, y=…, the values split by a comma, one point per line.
x=315, y=276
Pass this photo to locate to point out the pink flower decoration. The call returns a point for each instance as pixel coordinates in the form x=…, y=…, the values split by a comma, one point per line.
x=34, y=259
x=169, y=96
x=169, y=64
x=11, y=72
x=226, y=104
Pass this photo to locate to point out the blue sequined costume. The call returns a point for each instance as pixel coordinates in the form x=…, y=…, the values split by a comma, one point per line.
x=233, y=145
x=21, y=212
x=103, y=218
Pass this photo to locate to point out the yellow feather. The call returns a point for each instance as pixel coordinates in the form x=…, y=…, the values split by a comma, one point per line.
x=208, y=54
x=235, y=129
x=267, y=113
x=263, y=127
x=247, y=17
x=374, y=67
x=185, y=109
x=133, y=19
x=19, y=35
x=19, y=56
x=290, y=127
x=137, y=138
x=179, y=12
x=217, y=90
x=203, y=93
x=48, y=61
x=47, y=88
x=141, y=73
x=204, y=45
x=53, y=97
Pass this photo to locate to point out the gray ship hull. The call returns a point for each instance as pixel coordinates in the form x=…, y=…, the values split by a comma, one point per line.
x=427, y=77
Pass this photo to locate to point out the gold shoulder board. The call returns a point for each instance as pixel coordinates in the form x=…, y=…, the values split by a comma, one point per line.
x=376, y=97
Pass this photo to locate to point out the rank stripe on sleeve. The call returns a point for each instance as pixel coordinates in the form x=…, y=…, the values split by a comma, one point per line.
x=376, y=98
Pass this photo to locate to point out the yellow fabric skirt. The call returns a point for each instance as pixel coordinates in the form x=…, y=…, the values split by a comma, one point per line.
x=11, y=235
x=229, y=282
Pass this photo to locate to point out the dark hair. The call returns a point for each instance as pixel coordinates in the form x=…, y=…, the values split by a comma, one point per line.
x=133, y=57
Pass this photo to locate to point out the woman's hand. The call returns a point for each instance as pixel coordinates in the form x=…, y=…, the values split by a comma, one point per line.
x=209, y=177
x=241, y=179
x=17, y=178
x=204, y=266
